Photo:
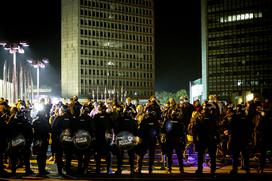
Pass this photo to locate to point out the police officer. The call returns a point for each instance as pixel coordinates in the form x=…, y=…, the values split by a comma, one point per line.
x=265, y=128
x=103, y=137
x=206, y=136
x=61, y=129
x=173, y=129
x=240, y=138
x=148, y=132
x=3, y=133
x=19, y=130
x=83, y=129
x=126, y=123
x=41, y=129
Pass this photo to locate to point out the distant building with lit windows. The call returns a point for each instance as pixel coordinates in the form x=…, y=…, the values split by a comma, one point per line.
x=107, y=48
x=236, y=48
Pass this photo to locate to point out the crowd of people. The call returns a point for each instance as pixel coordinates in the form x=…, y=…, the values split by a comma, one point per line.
x=103, y=129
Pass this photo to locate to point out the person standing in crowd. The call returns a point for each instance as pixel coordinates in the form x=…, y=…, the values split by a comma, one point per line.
x=264, y=133
x=126, y=123
x=41, y=128
x=54, y=114
x=149, y=133
x=129, y=107
x=225, y=131
x=240, y=138
x=187, y=109
x=103, y=137
x=174, y=132
x=76, y=106
x=196, y=115
x=3, y=134
x=47, y=107
x=206, y=136
x=62, y=129
x=83, y=130
x=20, y=137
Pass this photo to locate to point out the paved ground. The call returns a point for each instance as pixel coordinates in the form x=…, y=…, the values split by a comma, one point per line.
x=158, y=174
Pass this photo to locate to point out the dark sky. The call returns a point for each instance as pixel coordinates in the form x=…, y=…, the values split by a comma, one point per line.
x=177, y=38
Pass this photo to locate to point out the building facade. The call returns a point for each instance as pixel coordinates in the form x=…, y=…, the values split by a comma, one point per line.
x=107, y=48
x=196, y=90
x=236, y=48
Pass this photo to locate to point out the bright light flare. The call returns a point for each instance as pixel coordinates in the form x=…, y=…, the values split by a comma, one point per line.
x=38, y=107
x=3, y=44
x=55, y=100
x=24, y=44
x=46, y=61
x=20, y=50
x=249, y=97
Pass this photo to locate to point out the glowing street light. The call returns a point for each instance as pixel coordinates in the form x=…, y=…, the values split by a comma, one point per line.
x=38, y=64
x=13, y=48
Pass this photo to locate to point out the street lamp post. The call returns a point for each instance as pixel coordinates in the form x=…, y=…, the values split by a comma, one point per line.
x=13, y=49
x=38, y=64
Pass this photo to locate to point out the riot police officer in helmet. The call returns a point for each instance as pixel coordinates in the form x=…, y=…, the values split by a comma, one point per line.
x=83, y=131
x=103, y=137
x=240, y=138
x=206, y=136
x=41, y=129
x=125, y=124
x=61, y=139
x=20, y=138
x=148, y=131
x=173, y=130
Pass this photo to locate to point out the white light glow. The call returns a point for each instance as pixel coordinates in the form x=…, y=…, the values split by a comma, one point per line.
x=240, y=17
x=55, y=100
x=197, y=90
x=249, y=97
x=20, y=50
x=38, y=107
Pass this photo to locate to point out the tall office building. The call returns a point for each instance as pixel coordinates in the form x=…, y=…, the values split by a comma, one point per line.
x=236, y=48
x=107, y=48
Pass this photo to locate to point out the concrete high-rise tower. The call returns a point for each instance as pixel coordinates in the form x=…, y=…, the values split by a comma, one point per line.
x=236, y=48
x=107, y=48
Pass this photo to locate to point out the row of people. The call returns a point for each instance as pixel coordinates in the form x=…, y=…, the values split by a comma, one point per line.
x=105, y=125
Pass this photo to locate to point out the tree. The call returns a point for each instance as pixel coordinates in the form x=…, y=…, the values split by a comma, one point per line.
x=181, y=92
x=163, y=96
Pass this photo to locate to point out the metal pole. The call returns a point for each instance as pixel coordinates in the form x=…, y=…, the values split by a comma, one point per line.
x=14, y=77
x=38, y=82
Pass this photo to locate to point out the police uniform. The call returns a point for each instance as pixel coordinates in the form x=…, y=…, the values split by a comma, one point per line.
x=206, y=136
x=240, y=139
x=18, y=126
x=41, y=129
x=174, y=130
x=3, y=136
x=126, y=123
x=148, y=132
x=83, y=152
x=62, y=124
x=103, y=137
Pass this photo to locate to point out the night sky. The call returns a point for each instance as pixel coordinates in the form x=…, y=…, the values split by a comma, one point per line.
x=177, y=39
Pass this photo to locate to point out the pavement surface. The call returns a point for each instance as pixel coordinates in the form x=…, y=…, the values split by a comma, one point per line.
x=159, y=172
